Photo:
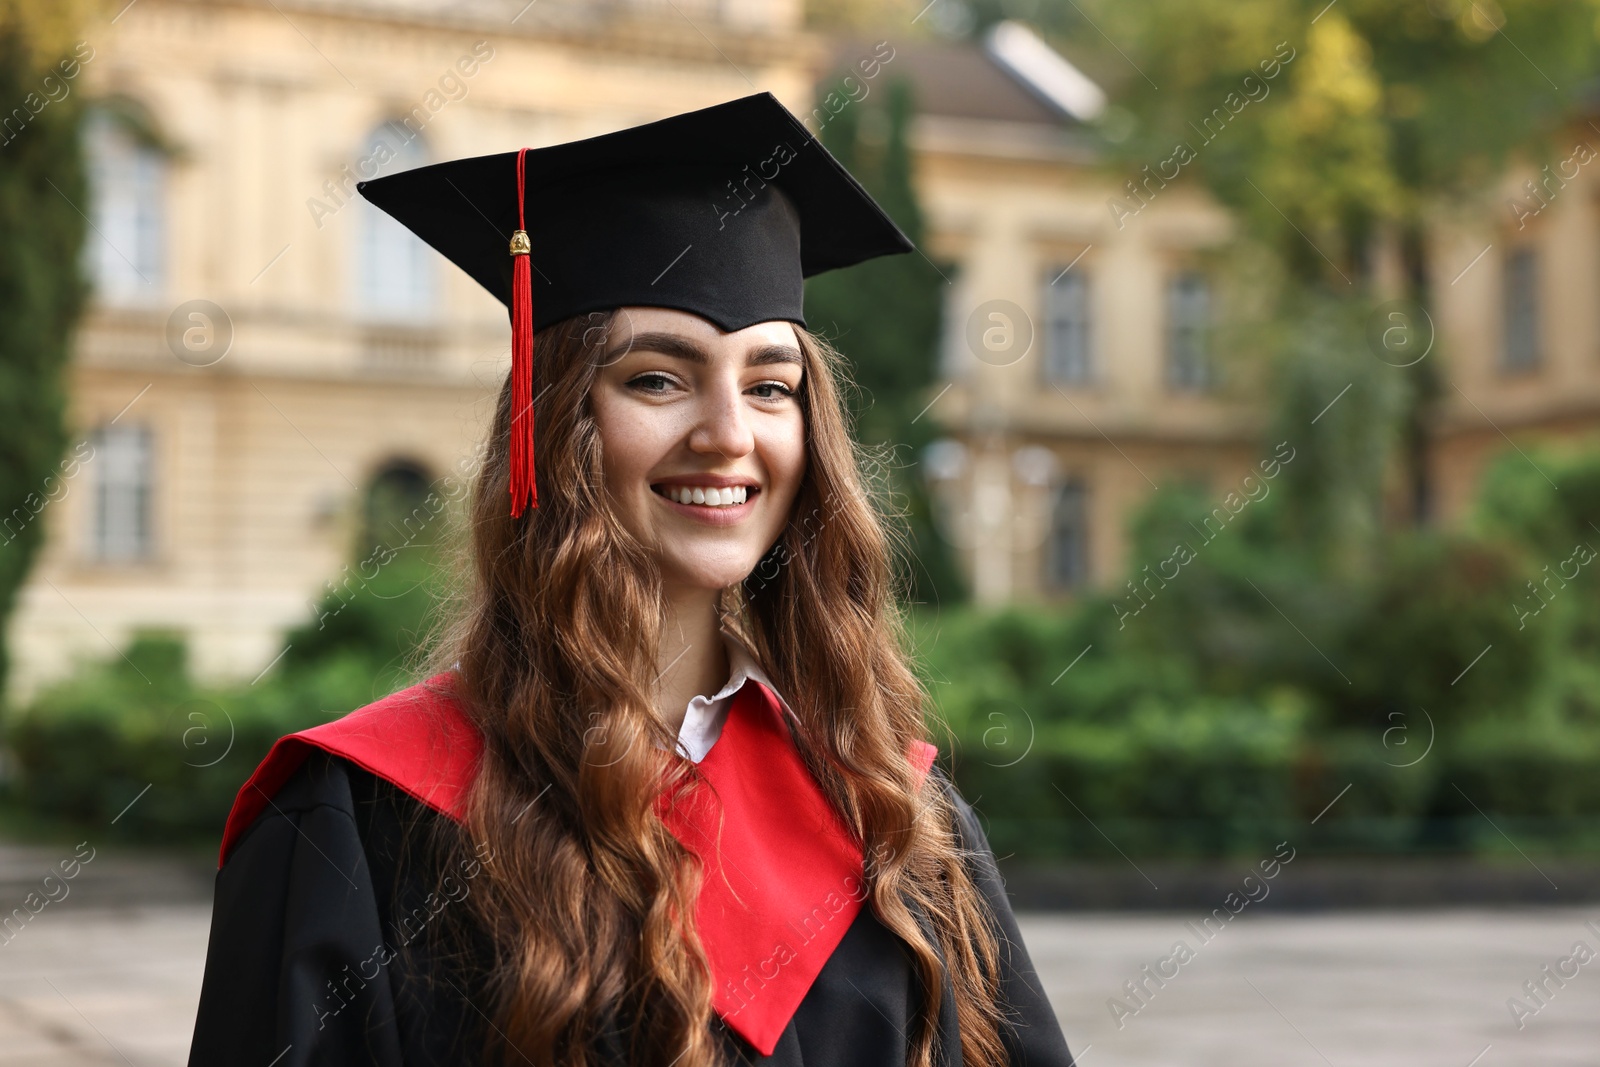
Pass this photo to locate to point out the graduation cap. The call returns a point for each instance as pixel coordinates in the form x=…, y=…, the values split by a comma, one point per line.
x=721, y=212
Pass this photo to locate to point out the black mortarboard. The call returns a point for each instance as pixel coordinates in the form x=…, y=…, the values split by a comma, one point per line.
x=721, y=212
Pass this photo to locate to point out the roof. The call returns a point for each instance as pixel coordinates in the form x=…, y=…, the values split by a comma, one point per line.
x=1011, y=75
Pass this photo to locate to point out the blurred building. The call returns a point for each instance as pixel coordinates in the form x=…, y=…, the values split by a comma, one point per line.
x=264, y=346
x=1076, y=352
x=1080, y=359
x=1514, y=286
x=265, y=349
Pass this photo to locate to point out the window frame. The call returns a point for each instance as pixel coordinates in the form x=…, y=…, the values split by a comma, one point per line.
x=1085, y=372
x=102, y=549
x=1059, y=578
x=382, y=247
x=1520, y=323
x=128, y=170
x=1199, y=373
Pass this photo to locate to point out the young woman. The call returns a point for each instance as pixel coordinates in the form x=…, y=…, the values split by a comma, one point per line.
x=664, y=798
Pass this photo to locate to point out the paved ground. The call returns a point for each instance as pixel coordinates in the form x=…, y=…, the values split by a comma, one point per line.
x=93, y=985
x=1386, y=989
x=84, y=983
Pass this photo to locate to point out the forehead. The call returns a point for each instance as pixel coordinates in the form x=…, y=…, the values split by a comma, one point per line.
x=630, y=322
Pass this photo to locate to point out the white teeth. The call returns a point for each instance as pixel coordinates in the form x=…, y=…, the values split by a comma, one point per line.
x=709, y=497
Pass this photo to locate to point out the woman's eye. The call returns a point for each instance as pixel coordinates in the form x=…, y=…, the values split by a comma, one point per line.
x=651, y=383
x=783, y=390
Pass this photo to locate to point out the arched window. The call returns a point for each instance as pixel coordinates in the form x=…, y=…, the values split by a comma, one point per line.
x=126, y=246
x=395, y=510
x=395, y=270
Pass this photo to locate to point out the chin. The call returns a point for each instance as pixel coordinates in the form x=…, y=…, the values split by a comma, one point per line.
x=709, y=573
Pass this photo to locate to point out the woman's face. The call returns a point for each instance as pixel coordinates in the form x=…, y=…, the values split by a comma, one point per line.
x=689, y=413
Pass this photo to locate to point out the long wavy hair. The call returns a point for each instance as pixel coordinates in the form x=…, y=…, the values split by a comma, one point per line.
x=588, y=899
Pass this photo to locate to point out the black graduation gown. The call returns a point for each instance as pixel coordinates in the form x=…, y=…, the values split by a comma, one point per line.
x=311, y=906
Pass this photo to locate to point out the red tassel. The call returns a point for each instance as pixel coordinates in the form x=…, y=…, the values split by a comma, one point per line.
x=524, y=487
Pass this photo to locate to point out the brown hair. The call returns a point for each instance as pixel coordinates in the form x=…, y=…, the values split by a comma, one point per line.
x=588, y=898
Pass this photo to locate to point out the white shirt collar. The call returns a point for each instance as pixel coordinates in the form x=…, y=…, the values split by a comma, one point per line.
x=703, y=720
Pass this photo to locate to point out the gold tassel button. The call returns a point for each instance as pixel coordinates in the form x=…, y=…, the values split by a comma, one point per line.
x=520, y=245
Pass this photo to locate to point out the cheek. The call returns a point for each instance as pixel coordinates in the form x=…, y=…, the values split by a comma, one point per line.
x=795, y=458
x=628, y=446
x=787, y=456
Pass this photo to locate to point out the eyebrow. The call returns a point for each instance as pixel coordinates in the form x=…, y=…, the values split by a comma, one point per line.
x=680, y=347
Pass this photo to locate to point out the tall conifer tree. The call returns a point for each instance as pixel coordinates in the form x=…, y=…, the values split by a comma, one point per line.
x=885, y=316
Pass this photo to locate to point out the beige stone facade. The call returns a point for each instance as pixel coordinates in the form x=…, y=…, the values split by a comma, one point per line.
x=1061, y=396
x=224, y=488
x=262, y=346
x=1517, y=279
x=1058, y=442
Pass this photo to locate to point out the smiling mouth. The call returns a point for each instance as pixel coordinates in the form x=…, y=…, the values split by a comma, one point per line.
x=708, y=497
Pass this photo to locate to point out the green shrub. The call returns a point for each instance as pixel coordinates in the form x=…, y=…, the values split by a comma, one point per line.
x=1126, y=754
x=87, y=748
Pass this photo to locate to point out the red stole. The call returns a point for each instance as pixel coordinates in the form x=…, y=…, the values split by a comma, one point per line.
x=780, y=888
x=787, y=880
x=413, y=739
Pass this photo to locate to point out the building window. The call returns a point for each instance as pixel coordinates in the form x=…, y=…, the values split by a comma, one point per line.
x=1521, y=309
x=126, y=246
x=1067, y=550
x=123, y=466
x=955, y=358
x=1188, y=327
x=1068, y=357
x=396, y=512
x=395, y=269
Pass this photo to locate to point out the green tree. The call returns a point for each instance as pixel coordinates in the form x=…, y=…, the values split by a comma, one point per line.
x=1333, y=125
x=380, y=610
x=42, y=177
x=1357, y=114
x=885, y=315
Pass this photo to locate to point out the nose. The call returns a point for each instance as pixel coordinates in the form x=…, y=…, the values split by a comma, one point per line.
x=722, y=425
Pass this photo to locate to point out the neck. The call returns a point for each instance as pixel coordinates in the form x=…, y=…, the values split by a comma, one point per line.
x=692, y=660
